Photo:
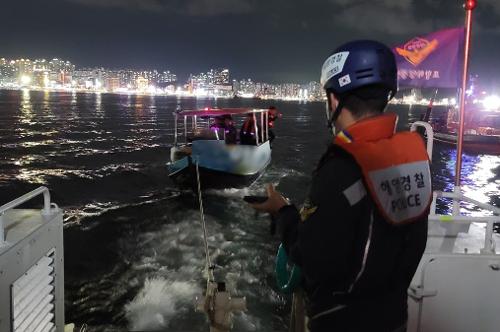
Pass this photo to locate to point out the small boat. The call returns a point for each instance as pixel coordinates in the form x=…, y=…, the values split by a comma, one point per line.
x=481, y=132
x=211, y=141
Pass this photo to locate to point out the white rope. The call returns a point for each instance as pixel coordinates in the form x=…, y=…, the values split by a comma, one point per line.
x=210, y=276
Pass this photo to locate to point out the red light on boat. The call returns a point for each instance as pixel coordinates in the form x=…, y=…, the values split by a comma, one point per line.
x=470, y=4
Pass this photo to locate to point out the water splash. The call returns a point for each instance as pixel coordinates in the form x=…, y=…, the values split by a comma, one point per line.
x=158, y=302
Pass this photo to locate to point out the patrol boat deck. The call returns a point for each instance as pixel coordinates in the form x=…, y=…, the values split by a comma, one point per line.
x=456, y=284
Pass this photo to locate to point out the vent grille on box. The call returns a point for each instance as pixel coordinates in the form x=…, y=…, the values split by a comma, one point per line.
x=33, y=307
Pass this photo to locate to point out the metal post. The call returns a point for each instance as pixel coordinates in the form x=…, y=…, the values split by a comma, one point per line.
x=488, y=238
x=195, y=123
x=175, y=129
x=256, y=129
x=262, y=127
x=185, y=130
x=428, y=131
x=267, y=125
x=469, y=7
x=46, y=201
x=456, y=200
x=2, y=232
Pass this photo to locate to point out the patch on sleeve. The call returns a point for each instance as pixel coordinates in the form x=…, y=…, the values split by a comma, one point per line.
x=355, y=192
x=306, y=212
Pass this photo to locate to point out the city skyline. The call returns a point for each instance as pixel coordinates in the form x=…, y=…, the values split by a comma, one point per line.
x=270, y=41
x=165, y=69
x=59, y=73
x=62, y=74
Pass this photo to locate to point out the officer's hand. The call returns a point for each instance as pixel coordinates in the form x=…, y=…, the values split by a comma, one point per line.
x=274, y=201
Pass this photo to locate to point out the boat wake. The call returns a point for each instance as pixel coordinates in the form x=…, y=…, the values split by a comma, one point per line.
x=158, y=302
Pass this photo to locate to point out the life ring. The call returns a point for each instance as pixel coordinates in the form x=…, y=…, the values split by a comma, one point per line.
x=288, y=276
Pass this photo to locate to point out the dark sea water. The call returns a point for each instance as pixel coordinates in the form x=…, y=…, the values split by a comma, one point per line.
x=133, y=242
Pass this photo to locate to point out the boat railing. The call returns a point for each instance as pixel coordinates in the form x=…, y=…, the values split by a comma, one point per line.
x=260, y=123
x=458, y=197
x=429, y=133
x=31, y=265
x=457, y=218
x=23, y=199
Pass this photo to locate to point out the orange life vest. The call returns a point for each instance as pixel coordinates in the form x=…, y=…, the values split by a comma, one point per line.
x=395, y=167
x=248, y=126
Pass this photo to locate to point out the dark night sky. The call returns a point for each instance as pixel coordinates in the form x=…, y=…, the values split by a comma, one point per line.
x=270, y=40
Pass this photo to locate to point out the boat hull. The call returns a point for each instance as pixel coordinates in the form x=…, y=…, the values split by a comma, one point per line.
x=472, y=143
x=211, y=179
x=220, y=165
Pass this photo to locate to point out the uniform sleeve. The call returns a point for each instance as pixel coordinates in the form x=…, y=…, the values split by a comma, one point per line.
x=322, y=243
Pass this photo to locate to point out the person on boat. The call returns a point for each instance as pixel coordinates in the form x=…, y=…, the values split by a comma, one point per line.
x=230, y=135
x=222, y=126
x=362, y=230
x=247, y=131
x=273, y=115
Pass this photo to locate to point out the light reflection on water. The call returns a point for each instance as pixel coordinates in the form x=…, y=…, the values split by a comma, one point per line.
x=479, y=180
x=480, y=174
x=75, y=124
x=103, y=157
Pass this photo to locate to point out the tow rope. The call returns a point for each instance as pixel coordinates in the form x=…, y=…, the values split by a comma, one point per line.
x=217, y=302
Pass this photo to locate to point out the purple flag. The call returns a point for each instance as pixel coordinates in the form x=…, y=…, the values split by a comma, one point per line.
x=434, y=60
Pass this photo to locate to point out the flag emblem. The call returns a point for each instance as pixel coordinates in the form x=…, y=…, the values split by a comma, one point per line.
x=417, y=50
x=344, y=80
x=434, y=60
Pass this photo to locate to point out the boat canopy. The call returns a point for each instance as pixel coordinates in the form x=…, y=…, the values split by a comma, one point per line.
x=220, y=111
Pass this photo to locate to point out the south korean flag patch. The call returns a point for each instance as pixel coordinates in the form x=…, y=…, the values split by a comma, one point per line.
x=345, y=80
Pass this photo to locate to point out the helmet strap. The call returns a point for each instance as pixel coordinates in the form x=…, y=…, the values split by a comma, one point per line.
x=333, y=115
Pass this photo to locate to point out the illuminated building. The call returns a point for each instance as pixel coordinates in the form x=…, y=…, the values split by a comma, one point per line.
x=40, y=65
x=247, y=87
x=167, y=78
x=142, y=83
x=219, y=76
x=112, y=83
x=60, y=71
x=40, y=78
x=215, y=82
x=82, y=76
x=23, y=67
x=316, y=92
x=7, y=71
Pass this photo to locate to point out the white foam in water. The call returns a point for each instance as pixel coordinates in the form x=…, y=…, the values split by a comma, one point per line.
x=271, y=175
x=158, y=302
x=173, y=258
x=230, y=192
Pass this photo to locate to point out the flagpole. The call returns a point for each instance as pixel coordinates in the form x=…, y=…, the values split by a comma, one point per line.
x=469, y=7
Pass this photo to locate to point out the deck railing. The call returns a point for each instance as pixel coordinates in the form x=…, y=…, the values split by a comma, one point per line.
x=23, y=199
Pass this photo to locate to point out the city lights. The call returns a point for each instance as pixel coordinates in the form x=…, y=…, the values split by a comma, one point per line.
x=491, y=102
x=58, y=74
x=25, y=80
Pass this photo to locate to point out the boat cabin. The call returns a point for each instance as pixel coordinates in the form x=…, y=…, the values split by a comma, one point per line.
x=230, y=144
x=244, y=126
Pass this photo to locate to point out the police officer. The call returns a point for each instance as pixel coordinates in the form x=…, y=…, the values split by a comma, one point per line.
x=359, y=236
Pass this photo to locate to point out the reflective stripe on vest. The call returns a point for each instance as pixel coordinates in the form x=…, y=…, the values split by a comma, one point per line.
x=395, y=167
